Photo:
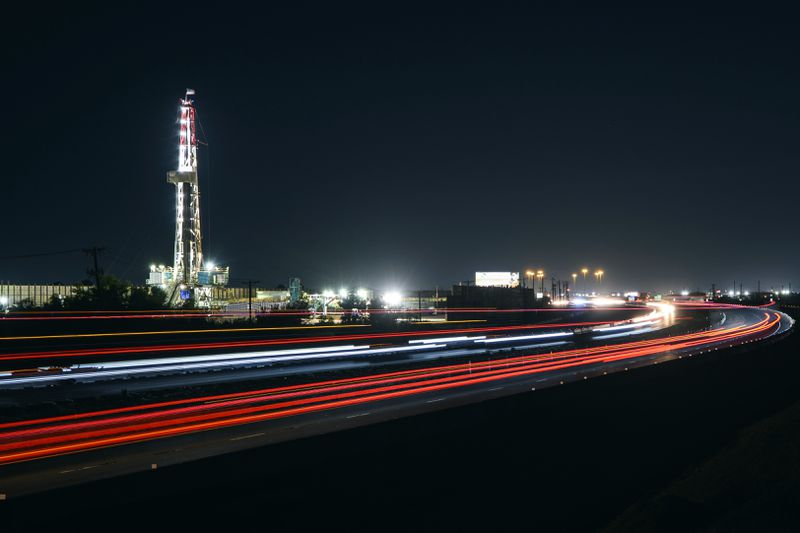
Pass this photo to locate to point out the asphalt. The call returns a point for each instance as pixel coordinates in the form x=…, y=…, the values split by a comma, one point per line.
x=45, y=474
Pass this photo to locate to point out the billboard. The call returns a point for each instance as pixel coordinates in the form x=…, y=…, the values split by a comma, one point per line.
x=497, y=279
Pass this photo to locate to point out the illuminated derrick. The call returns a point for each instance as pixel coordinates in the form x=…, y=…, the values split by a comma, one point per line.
x=189, y=277
x=188, y=239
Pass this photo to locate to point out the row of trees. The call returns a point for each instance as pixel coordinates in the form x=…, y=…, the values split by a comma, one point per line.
x=112, y=294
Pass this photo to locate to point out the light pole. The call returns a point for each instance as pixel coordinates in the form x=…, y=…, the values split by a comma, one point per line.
x=249, y=284
x=530, y=274
x=599, y=277
x=584, y=271
x=540, y=275
x=327, y=297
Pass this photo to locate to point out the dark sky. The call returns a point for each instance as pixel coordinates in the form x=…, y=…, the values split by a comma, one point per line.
x=408, y=147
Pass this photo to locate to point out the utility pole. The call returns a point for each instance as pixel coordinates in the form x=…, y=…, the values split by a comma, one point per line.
x=249, y=283
x=96, y=271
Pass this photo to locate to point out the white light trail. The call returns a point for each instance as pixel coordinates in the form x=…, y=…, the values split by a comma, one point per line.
x=528, y=337
x=446, y=340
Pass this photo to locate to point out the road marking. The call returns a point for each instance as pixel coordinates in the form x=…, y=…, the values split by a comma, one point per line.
x=78, y=469
x=248, y=436
x=434, y=401
x=360, y=414
x=494, y=389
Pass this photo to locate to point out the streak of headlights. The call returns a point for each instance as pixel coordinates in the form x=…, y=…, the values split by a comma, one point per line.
x=105, y=374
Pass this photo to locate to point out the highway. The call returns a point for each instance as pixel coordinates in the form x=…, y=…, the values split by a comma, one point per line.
x=364, y=381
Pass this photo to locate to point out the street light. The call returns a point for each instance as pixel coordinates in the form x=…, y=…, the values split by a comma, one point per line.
x=530, y=274
x=599, y=276
x=540, y=275
x=585, y=271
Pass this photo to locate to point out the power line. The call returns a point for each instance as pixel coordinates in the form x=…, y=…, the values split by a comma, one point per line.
x=42, y=254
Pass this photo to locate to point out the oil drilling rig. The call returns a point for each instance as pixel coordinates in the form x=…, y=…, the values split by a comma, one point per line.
x=189, y=277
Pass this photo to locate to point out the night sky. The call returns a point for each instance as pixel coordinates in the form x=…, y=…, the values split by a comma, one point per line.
x=408, y=148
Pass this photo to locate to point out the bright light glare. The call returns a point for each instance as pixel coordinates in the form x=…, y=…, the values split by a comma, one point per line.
x=393, y=298
x=3, y=300
x=607, y=302
x=343, y=292
x=327, y=293
x=362, y=293
x=684, y=293
x=210, y=265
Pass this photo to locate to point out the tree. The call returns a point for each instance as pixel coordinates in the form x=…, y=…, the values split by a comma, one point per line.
x=56, y=303
x=353, y=301
x=143, y=298
x=114, y=295
x=26, y=304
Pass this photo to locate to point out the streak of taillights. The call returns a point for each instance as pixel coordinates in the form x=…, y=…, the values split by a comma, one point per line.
x=192, y=419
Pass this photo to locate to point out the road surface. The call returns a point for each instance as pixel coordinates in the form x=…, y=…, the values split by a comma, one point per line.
x=43, y=453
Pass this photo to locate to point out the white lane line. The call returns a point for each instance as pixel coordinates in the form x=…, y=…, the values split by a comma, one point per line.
x=434, y=401
x=248, y=436
x=78, y=469
x=360, y=414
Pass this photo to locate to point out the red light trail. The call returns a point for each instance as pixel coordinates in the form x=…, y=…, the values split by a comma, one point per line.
x=33, y=439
